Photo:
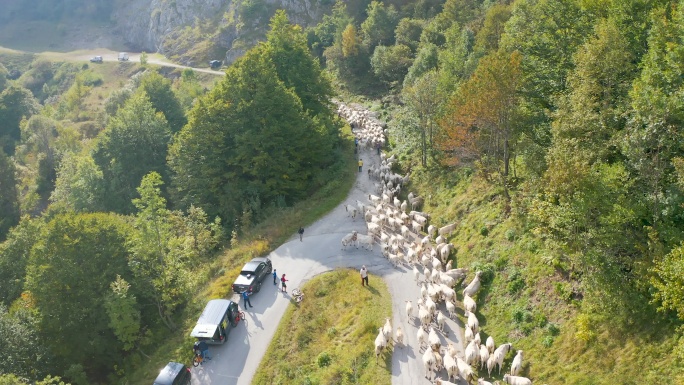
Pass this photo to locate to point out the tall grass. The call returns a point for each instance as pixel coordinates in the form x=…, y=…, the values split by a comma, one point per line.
x=329, y=337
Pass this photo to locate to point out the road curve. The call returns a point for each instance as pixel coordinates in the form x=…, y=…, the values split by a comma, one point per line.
x=236, y=362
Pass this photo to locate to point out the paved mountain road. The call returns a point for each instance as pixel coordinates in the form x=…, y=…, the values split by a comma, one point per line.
x=237, y=360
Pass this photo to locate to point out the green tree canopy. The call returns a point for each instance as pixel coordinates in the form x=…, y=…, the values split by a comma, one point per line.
x=249, y=142
x=379, y=26
x=9, y=196
x=71, y=266
x=14, y=258
x=160, y=94
x=16, y=103
x=133, y=143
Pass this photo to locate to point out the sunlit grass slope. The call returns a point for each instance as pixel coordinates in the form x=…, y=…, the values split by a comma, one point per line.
x=328, y=338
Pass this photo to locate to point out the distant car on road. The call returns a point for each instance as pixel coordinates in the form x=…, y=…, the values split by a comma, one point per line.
x=96, y=59
x=123, y=56
x=214, y=64
x=252, y=275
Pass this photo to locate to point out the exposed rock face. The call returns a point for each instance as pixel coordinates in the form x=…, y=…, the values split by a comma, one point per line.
x=145, y=24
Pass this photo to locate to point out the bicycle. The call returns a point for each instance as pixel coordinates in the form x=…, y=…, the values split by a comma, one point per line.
x=198, y=359
x=297, y=295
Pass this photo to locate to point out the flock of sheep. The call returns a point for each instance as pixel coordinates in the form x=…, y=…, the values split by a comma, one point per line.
x=406, y=239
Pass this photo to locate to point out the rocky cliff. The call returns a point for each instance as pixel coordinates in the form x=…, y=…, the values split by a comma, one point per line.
x=191, y=30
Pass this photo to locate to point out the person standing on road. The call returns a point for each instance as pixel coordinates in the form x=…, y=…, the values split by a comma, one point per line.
x=245, y=296
x=301, y=233
x=364, y=275
x=283, y=284
x=360, y=164
x=275, y=277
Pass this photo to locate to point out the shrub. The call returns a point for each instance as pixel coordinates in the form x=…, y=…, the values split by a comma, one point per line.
x=553, y=329
x=484, y=231
x=584, y=330
x=510, y=235
x=324, y=360
x=487, y=270
x=547, y=341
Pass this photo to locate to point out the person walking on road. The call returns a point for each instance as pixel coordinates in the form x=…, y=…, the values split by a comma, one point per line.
x=360, y=164
x=301, y=233
x=245, y=295
x=364, y=276
x=283, y=284
x=275, y=277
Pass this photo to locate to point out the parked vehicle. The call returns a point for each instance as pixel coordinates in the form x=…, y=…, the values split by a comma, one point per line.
x=173, y=374
x=123, y=56
x=212, y=325
x=252, y=275
x=96, y=59
x=215, y=64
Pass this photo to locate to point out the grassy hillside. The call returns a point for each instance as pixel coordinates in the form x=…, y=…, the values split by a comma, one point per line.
x=528, y=301
x=325, y=339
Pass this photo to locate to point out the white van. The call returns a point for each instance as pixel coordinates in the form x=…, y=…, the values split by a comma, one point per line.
x=123, y=56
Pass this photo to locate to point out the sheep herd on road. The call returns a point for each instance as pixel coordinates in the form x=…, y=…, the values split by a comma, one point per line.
x=406, y=238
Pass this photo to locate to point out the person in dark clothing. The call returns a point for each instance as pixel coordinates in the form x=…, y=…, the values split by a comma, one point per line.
x=275, y=277
x=245, y=295
x=204, y=349
x=301, y=233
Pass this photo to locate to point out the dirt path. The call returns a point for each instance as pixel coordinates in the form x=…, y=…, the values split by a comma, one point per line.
x=236, y=361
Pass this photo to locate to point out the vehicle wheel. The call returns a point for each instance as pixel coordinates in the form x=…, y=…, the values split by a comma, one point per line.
x=257, y=288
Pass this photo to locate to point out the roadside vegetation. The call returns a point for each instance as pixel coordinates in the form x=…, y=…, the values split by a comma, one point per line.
x=325, y=338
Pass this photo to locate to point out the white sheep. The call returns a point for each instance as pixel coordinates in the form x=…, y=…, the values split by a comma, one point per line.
x=490, y=344
x=500, y=354
x=351, y=211
x=424, y=315
x=445, y=251
x=427, y=273
x=456, y=274
x=365, y=241
x=447, y=230
x=476, y=338
x=409, y=310
x=473, y=322
x=416, y=274
x=441, y=320
x=439, y=362
x=433, y=340
x=380, y=343
x=480, y=381
x=451, y=350
x=466, y=371
x=416, y=227
x=468, y=335
x=422, y=338
x=429, y=364
x=387, y=329
x=515, y=380
x=516, y=366
x=448, y=293
x=473, y=286
x=451, y=366
x=440, y=239
x=373, y=228
x=400, y=336
x=429, y=303
x=349, y=239
x=472, y=353
x=469, y=304
x=491, y=363
x=451, y=308
x=484, y=356
x=431, y=231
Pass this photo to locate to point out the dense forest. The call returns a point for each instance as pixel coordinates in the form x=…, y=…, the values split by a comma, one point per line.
x=566, y=115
